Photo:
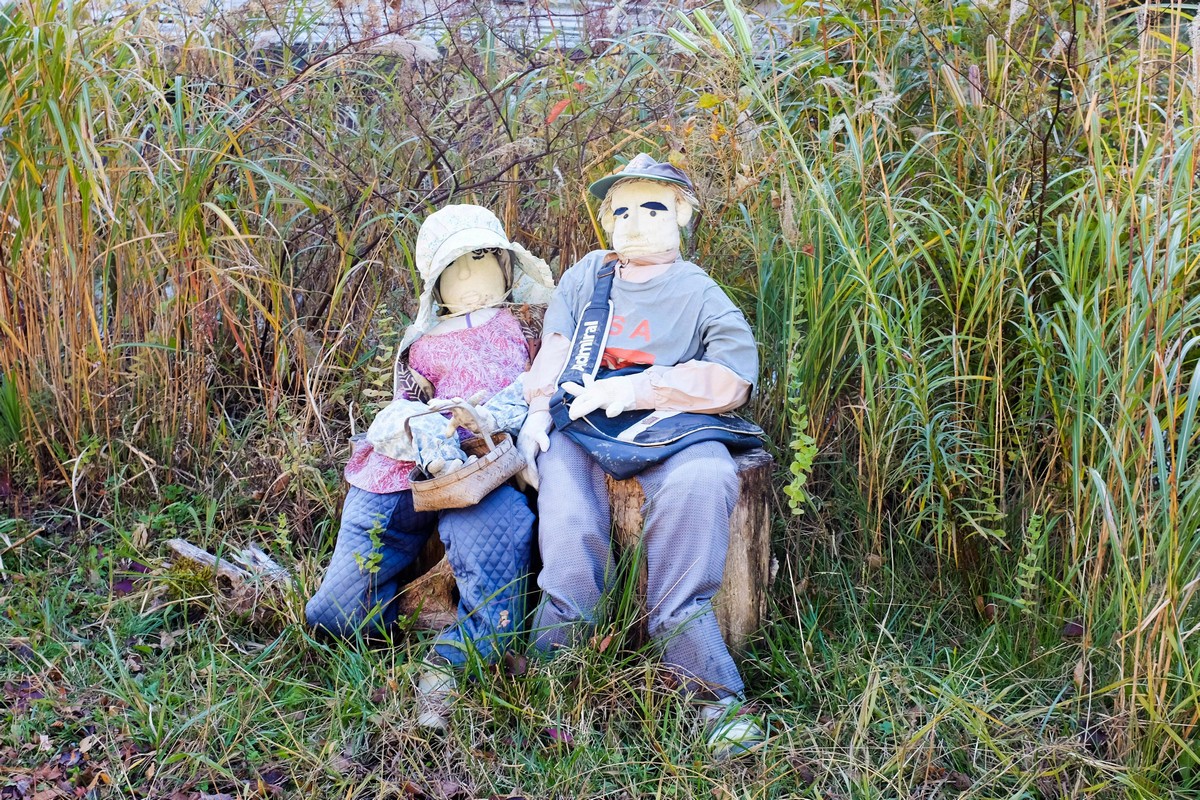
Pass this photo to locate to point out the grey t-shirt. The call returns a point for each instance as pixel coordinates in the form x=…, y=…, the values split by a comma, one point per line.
x=678, y=316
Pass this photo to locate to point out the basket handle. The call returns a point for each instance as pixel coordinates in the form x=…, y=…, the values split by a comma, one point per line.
x=408, y=421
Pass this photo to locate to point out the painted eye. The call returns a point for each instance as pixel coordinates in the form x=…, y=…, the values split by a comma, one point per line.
x=653, y=213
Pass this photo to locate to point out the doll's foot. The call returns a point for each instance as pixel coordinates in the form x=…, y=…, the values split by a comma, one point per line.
x=434, y=687
x=730, y=733
x=441, y=466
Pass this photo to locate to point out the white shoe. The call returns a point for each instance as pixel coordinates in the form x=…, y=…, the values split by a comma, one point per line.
x=434, y=685
x=730, y=734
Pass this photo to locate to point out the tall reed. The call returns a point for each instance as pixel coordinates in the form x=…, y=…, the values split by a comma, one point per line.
x=982, y=286
x=965, y=236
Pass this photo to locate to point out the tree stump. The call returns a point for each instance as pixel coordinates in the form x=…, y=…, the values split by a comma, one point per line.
x=432, y=599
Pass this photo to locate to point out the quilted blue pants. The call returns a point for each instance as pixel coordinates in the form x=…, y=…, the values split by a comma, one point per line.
x=488, y=546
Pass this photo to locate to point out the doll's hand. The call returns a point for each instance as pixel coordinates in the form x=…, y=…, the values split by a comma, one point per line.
x=533, y=439
x=614, y=395
x=481, y=422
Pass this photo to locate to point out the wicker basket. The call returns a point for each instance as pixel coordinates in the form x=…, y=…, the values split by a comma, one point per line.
x=497, y=460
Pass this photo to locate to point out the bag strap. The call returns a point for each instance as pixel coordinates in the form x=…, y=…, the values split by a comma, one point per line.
x=591, y=332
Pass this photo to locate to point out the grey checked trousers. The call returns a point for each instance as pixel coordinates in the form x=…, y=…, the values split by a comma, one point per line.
x=488, y=546
x=689, y=498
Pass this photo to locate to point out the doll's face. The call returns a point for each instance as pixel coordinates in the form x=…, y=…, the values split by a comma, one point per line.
x=474, y=280
x=646, y=218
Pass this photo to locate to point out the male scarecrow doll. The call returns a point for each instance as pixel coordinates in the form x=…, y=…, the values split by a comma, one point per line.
x=464, y=343
x=693, y=352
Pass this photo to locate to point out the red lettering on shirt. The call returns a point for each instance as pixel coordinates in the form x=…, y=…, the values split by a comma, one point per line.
x=616, y=358
x=642, y=330
x=618, y=325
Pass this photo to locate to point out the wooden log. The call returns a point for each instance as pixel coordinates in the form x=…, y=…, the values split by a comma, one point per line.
x=741, y=604
x=432, y=596
x=257, y=590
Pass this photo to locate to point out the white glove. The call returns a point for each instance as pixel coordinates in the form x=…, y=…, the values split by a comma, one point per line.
x=614, y=395
x=481, y=423
x=533, y=439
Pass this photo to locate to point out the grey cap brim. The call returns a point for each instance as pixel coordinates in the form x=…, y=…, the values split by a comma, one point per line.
x=600, y=188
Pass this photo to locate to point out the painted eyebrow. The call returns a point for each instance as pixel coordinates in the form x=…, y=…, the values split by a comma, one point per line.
x=620, y=210
x=654, y=205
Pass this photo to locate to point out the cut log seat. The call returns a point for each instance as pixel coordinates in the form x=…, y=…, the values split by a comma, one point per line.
x=741, y=604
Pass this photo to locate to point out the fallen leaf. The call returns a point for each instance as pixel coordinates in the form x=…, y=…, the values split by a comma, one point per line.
x=515, y=664
x=122, y=587
x=20, y=694
x=1072, y=629
x=273, y=777
x=451, y=789
x=87, y=743
x=559, y=736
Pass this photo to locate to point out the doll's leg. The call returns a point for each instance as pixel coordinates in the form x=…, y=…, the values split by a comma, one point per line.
x=575, y=540
x=380, y=535
x=689, y=498
x=488, y=545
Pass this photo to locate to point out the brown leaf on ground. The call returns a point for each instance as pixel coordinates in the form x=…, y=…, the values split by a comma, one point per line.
x=1072, y=629
x=934, y=773
x=271, y=781
x=452, y=790
x=19, y=695
x=411, y=789
x=515, y=664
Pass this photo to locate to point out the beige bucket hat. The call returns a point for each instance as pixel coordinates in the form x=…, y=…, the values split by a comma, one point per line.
x=456, y=230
